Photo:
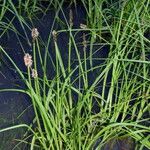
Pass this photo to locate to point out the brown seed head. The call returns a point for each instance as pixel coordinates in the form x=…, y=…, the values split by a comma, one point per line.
x=83, y=26
x=34, y=33
x=54, y=33
x=34, y=73
x=71, y=18
x=28, y=60
x=84, y=42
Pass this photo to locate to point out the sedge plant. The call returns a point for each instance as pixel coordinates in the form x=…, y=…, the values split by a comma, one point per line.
x=63, y=105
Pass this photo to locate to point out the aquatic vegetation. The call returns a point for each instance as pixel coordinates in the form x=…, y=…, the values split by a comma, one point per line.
x=95, y=93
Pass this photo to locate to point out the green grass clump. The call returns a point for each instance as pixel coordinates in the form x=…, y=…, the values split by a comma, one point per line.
x=64, y=116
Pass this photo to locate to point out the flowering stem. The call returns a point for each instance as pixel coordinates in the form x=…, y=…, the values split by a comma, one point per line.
x=36, y=83
x=34, y=106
